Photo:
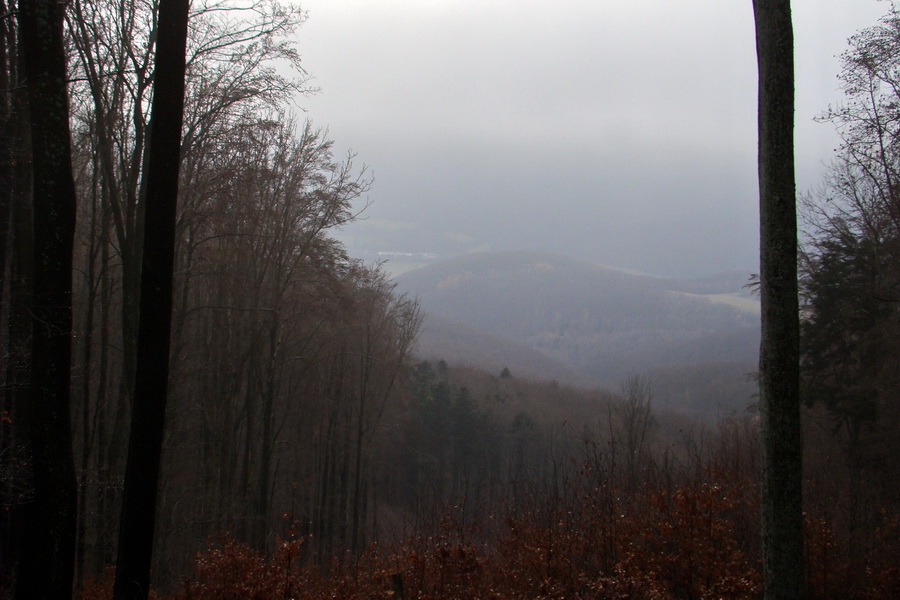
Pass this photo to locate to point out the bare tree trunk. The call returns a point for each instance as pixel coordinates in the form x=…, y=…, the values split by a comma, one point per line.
x=154, y=334
x=107, y=483
x=262, y=504
x=97, y=251
x=18, y=369
x=48, y=551
x=14, y=334
x=782, y=523
x=7, y=148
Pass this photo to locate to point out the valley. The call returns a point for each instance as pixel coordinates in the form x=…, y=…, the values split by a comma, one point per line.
x=548, y=317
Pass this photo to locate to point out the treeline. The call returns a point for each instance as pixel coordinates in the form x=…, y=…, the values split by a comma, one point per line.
x=850, y=264
x=492, y=486
x=286, y=353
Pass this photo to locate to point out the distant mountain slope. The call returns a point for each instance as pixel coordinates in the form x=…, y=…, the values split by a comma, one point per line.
x=596, y=320
x=705, y=392
x=461, y=345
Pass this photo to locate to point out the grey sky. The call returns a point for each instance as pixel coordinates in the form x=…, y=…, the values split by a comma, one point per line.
x=618, y=131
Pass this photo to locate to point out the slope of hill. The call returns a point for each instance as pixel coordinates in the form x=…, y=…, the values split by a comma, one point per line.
x=460, y=344
x=596, y=320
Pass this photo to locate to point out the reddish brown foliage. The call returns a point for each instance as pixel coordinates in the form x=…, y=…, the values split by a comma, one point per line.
x=585, y=536
x=594, y=545
x=697, y=541
x=101, y=588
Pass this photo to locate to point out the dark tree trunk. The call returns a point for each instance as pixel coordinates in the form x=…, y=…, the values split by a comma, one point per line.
x=782, y=523
x=154, y=331
x=11, y=142
x=48, y=550
x=7, y=150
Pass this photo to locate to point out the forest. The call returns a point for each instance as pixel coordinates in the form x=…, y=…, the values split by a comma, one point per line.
x=307, y=450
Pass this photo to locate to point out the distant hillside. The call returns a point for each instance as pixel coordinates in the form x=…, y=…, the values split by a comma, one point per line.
x=461, y=345
x=598, y=321
x=705, y=392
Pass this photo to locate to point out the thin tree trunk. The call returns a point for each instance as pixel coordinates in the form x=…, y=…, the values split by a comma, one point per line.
x=107, y=487
x=267, y=442
x=782, y=524
x=154, y=334
x=87, y=408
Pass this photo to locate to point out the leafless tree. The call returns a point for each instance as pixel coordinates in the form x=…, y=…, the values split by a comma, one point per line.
x=634, y=415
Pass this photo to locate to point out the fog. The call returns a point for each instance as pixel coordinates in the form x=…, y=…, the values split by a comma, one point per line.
x=622, y=133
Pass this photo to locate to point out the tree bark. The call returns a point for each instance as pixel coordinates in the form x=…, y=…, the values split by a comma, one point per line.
x=48, y=551
x=154, y=331
x=782, y=522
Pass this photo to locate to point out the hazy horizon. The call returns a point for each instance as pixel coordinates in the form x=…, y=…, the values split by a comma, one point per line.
x=618, y=133
x=397, y=263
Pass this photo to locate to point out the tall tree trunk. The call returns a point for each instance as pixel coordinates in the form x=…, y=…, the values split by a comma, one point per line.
x=107, y=483
x=18, y=369
x=48, y=550
x=87, y=407
x=268, y=388
x=154, y=333
x=782, y=524
x=14, y=175
x=7, y=155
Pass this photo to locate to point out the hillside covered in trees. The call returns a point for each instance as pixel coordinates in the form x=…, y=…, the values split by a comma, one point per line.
x=555, y=318
x=311, y=449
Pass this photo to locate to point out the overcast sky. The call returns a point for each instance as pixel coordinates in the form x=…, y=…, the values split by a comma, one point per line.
x=618, y=131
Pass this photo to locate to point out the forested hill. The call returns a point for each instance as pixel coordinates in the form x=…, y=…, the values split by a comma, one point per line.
x=591, y=323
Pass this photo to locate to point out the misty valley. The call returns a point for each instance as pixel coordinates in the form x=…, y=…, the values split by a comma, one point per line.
x=206, y=396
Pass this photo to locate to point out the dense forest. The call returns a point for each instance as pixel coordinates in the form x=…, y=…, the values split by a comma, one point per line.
x=308, y=452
